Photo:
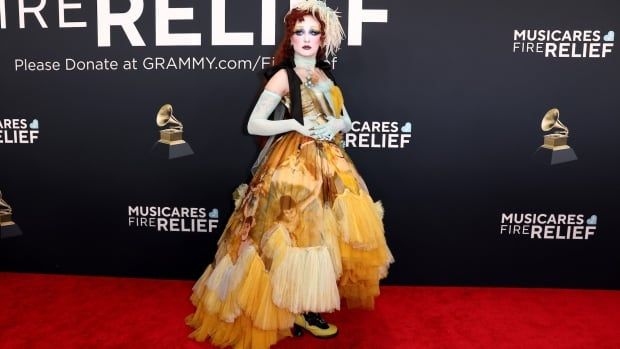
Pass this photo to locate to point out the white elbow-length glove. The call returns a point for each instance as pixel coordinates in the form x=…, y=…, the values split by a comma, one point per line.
x=261, y=126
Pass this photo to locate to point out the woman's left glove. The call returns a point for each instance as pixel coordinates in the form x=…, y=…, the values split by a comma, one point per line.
x=327, y=131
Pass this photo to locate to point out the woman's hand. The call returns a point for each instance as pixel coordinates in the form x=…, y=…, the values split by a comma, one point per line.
x=327, y=131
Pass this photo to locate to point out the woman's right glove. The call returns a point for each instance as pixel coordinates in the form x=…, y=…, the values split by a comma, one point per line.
x=259, y=123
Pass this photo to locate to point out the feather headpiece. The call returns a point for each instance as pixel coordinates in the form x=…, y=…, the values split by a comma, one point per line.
x=333, y=29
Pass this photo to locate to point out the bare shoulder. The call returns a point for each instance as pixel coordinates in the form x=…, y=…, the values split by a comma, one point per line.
x=278, y=83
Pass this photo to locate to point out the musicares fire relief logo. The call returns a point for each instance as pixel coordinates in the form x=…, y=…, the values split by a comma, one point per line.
x=36, y=15
x=18, y=131
x=174, y=219
x=542, y=226
x=563, y=43
x=378, y=134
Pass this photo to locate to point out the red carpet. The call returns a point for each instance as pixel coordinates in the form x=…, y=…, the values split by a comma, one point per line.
x=53, y=311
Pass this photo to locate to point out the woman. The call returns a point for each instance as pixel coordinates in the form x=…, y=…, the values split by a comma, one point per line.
x=305, y=231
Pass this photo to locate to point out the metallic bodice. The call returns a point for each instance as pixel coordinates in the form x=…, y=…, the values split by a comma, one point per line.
x=313, y=101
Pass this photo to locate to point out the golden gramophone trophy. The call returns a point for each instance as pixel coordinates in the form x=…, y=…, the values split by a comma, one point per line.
x=171, y=142
x=555, y=149
x=8, y=228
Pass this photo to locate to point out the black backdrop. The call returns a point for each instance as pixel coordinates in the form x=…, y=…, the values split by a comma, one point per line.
x=446, y=67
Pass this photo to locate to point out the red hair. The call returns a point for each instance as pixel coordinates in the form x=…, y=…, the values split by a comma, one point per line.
x=285, y=49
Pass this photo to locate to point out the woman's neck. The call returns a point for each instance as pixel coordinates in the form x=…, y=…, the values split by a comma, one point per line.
x=304, y=62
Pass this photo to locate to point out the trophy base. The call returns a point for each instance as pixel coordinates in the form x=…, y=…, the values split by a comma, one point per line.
x=555, y=140
x=170, y=136
x=172, y=150
x=554, y=156
x=9, y=230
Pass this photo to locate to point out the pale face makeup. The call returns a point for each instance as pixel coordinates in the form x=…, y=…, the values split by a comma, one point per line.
x=306, y=38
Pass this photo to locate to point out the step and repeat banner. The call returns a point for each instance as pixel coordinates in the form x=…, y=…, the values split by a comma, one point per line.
x=488, y=130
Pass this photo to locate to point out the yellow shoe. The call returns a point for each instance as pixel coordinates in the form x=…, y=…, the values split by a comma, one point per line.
x=314, y=323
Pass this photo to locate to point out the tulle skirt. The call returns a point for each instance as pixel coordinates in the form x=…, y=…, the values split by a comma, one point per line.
x=304, y=234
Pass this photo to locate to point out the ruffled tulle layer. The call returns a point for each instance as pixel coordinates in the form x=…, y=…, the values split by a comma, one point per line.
x=234, y=305
x=303, y=278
